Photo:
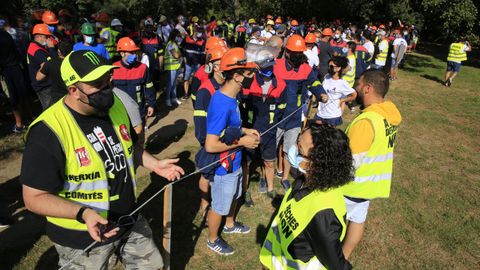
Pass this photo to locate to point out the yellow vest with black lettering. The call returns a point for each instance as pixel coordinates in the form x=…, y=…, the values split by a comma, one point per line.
x=349, y=77
x=86, y=180
x=171, y=63
x=382, y=55
x=111, y=43
x=291, y=220
x=373, y=176
x=455, y=53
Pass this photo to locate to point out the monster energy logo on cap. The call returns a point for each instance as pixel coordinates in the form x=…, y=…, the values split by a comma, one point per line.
x=83, y=66
x=92, y=57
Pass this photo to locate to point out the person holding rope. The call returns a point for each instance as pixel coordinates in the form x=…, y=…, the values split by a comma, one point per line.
x=78, y=170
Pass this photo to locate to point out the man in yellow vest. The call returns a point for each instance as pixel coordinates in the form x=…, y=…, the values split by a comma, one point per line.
x=372, y=137
x=79, y=171
x=109, y=37
x=383, y=46
x=457, y=54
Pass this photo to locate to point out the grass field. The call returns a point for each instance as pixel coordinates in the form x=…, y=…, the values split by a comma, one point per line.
x=431, y=220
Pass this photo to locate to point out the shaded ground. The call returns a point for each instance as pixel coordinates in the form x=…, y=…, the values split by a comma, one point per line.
x=431, y=220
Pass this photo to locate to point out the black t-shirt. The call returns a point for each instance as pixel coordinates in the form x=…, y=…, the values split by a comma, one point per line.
x=51, y=69
x=326, y=53
x=43, y=168
x=9, y=55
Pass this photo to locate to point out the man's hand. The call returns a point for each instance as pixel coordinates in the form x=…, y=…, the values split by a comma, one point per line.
x=324, y=98
x=93, y=221
x=249, y=141
x=150, y=111
x=250, y=131
x=166, y=168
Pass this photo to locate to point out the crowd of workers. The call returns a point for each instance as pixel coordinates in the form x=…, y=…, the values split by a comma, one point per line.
x=250, y=82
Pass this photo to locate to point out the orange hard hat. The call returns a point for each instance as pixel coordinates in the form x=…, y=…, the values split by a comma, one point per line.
x=278, y=20
x=296, y=43
x=294, y=23
x=327, y=32
x=310, y=38
x=213, y=42
x=235, y=58
x=126, y=44
x=102, y=17
x=216, y=53
x=374, y=27
x=48, y=17
x=41, y=29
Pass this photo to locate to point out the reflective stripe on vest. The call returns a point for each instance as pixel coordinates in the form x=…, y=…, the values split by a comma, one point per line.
x=86, y=181
x=349, y=77
x=373, y=176
x=455, y=53
x=171, y=63
x=292, y=219
x=111, y=43
x=382, y=55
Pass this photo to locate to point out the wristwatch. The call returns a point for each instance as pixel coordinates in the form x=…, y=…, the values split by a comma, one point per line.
x=79, y=217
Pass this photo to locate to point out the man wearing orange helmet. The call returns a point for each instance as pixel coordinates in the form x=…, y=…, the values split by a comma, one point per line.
x=326, y=52
x=133, y=78
x=298, y=75
x=224, y=116
x=49, y=18
x=205, y=92
x=294, y=28
x=312, y=50
x=39, y=51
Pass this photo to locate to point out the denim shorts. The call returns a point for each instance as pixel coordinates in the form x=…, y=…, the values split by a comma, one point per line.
x=290, y=137
x=453, y=66
x=189, y=71
x=224, y=189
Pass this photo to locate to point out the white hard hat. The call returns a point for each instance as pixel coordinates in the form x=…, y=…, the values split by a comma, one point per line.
x=116, y=22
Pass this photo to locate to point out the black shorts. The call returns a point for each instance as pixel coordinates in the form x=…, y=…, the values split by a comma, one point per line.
x=13, y=83
x=266, y=150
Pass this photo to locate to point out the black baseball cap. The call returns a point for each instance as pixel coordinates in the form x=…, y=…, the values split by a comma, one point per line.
x=83, y=66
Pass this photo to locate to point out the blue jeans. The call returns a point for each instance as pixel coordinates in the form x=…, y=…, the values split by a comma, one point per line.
x=171, y=89
x=225, y=189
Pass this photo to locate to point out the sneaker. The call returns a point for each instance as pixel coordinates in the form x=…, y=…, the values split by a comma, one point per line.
x=18, y=130
x=168, y=104
x=262, y=185
x=278, y=174
x=271, y=194
x=221, y=247
x=177, y=101
x=248, y=200
x=285, y=184
x=238, y=227
x=449, y=82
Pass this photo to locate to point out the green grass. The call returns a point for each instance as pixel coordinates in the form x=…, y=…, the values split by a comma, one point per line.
x=431, y=220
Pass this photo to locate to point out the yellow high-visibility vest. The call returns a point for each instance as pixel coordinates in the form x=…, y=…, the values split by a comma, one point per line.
x=349, y=77
x=373, y=176
x=86, y=180
x=455, y=53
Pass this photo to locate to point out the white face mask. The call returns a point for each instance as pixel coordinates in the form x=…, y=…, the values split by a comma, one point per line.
x=336, y=36
x=295, y=159
x=89, y=40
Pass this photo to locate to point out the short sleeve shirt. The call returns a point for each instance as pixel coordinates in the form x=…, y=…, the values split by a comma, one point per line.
x=336, y=89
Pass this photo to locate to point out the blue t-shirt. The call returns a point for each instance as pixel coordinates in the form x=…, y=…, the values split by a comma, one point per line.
x=96, y=48
x=223, y=112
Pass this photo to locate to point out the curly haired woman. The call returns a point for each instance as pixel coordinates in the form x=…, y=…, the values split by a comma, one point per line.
x=310, y=224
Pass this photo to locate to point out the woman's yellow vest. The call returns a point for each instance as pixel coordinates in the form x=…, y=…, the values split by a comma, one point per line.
x=349, y=77
x=86, y=181
x=373, y=176
x=292, y=219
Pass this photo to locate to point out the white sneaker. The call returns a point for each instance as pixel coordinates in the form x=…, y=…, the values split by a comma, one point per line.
x=176, y=101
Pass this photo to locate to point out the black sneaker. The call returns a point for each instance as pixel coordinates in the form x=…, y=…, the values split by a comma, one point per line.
x=278, y=174
x=285, y=184
x=271, y=194
x=248, y=200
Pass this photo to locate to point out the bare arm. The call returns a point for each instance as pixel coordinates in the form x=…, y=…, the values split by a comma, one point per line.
x=349, y=98
x=214, y=145
x=165, y=168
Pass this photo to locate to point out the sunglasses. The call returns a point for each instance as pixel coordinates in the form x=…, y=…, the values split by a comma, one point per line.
x=332, y=66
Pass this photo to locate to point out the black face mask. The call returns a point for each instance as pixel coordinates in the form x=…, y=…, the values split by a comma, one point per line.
x=331, y=71
x=247, y=82
x=297, y=59
x=102, y=100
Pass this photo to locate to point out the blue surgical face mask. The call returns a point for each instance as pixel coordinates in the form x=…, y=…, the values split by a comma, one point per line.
x=345, y=50
x=268, y=72
x=51, y=28
x=294, y=28
x=89, y=40
x=295, y=159
x=131, y=59
x=276, y=26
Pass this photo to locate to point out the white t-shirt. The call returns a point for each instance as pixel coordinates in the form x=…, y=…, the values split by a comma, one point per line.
x=266, y=34
x=370, y=47
x=351, y=62
x=398, y=42
x=336, y=89
x=312, y=56
x=381, y=47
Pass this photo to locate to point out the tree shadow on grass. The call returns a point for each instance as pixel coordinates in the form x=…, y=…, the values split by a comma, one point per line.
x=415, y=63
x=185, y=205
x=26, y=229
x=164, y=136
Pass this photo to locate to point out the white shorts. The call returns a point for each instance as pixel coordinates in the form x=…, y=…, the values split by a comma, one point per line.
x=357, y=211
